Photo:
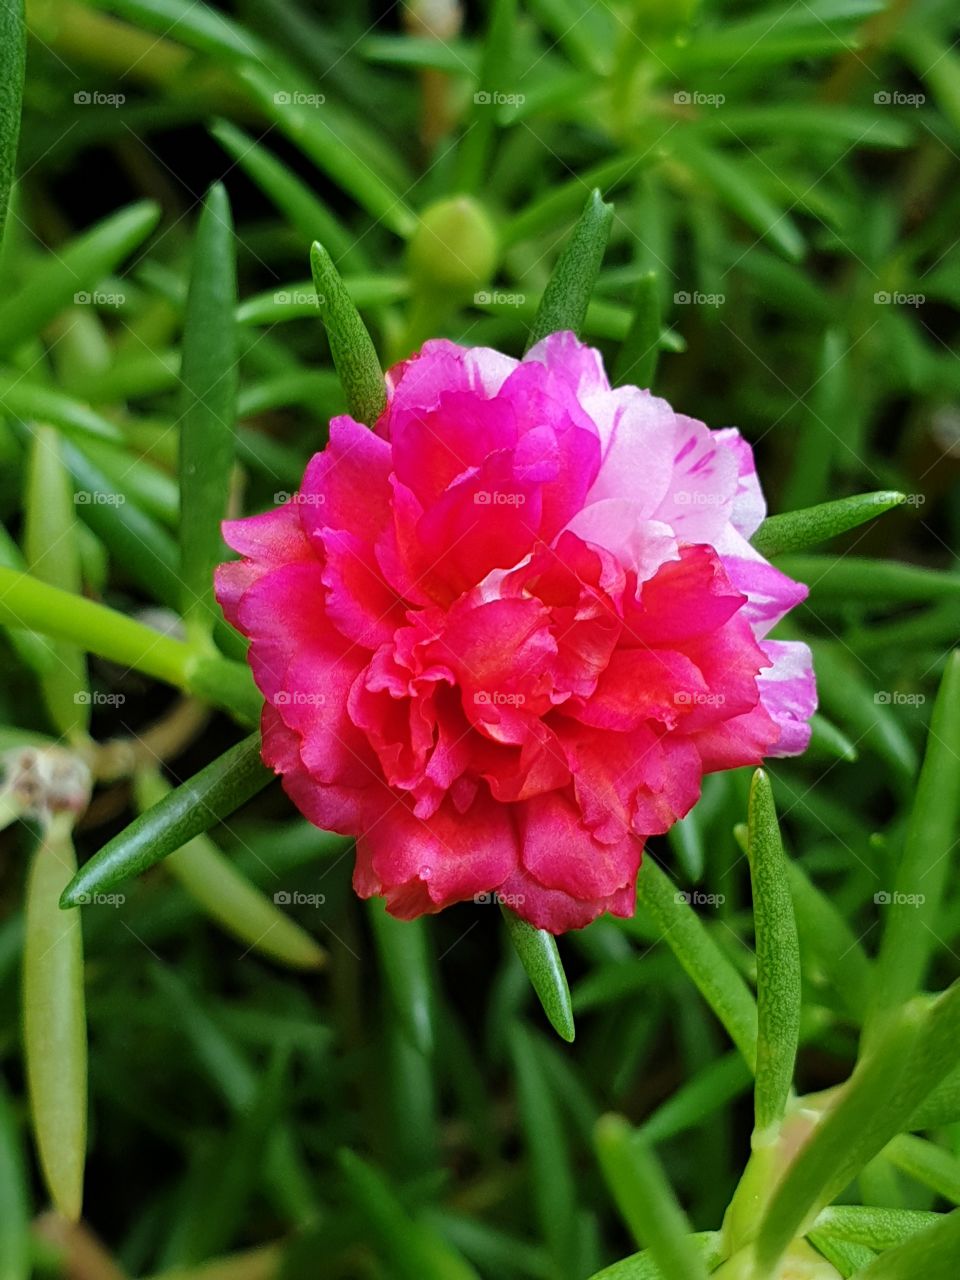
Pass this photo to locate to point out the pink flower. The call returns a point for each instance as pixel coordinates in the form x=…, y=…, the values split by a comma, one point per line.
x=502, y=636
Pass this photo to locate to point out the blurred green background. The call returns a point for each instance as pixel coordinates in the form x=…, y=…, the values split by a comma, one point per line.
x=785, y=182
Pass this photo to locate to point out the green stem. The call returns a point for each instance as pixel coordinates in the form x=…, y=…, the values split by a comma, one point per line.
x=27, y=602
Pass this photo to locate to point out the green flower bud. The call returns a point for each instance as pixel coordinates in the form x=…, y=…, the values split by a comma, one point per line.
x=454, y=248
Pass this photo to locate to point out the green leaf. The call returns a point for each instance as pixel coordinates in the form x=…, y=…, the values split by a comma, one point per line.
x=34, y=402
x=193, y=808
x=562, y=202
x=832, y=954
x=54, y=1022
x=208, y=410
x=931, y=1254
x=76, y=267
x=13, y=52
x=641, y=1266
x=928, y=1163
x=778, y=958
x=911, y=917
x=876, y=1228
x=52, y=553
x=848, y=1258
x=567, y=295
x=797, y=530
x=338, y=144
x=153, y=491
x=404, y=957
x=646, y=1200
x=310, y=216
x=909, y=1059
x=862, y=710
x=827, y=740
x=298, y=300
x=550, y=1178
x=15, y=1250
x=848, y=578
x=137, y=542
x=715, y=977
x=495, y=76
x=735, y=183
x=412, y=1249
x=227, y=896
x=936, y=63
x=199, y=27
x=27, y=602
x=636, y=361
x=700, y=1096
x=32, y=649
x=350, y=345
x=540, y=958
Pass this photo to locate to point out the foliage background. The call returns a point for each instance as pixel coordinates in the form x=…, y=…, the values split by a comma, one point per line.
x=788, y=173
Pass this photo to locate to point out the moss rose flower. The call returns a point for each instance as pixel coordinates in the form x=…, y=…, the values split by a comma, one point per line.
x=502, y=636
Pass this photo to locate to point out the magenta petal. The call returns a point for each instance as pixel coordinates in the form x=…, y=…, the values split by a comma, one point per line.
x=560, y=853
x=503, y=635
x=347, y=486
x=447, y=858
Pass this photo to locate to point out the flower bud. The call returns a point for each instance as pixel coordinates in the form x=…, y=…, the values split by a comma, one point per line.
x=454, y=247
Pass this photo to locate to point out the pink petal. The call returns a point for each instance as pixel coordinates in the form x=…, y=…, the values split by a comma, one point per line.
x=788, y=692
